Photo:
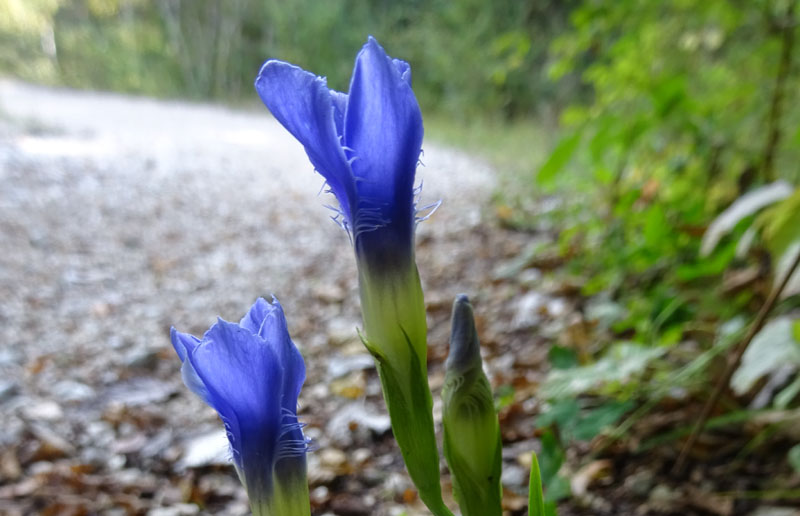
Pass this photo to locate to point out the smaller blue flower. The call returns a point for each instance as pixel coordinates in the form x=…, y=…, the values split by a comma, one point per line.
x=251, y=374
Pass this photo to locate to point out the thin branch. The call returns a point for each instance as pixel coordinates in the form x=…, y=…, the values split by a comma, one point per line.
x=733, y=364
x=775, y=112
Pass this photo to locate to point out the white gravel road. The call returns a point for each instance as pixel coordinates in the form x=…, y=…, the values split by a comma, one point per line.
x=190, y=210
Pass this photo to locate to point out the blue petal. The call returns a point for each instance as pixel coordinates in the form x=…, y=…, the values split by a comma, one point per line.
x=254, y=318
x=339, y=101
x=244, y=381
x=302, y=103
x=383, y=125
x=184, y=345
x=193, y=381
x=404, y=69
x=275, y=332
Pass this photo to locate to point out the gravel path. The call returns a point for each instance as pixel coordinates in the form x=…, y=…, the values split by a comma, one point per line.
x=122, y=216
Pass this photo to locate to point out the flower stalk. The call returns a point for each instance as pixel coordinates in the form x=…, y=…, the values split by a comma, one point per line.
x=366, y=144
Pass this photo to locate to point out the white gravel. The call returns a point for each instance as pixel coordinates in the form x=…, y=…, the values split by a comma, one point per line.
x=169, y=212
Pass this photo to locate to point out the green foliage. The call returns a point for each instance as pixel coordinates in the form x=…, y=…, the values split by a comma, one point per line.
x=683, y=96
x=780, y=224
x=535, y=495
x=556, y=487
x=559, y=158
x=690, y=130
x=576, y=422
x=469, y=57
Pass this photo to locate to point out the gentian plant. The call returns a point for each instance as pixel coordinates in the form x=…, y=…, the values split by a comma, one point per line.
x=251, y=374
x=366, y=144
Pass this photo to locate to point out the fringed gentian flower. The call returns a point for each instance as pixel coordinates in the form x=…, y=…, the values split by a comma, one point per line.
x=251, y=374
x=366, y=144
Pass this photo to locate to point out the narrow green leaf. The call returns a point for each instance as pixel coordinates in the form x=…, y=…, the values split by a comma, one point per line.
x=552, y=457
x=558, y=158
x=787, y=394
x=535, y=493
x=412, y=425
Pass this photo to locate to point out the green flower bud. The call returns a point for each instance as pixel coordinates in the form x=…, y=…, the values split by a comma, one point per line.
x=472, y=443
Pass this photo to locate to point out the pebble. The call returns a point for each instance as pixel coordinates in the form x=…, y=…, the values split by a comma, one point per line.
x=72, y=391
x=8, y=389
x=319, y=495
x=205, y=449
x=354, y=424
x=528, y=311
x=183, y=509
x=51, y=445
x=339, y=366
x=332, y=458
x=44, y=410
x=514, y=476
x=351, y=505
x=343, y=331
x=361, y=455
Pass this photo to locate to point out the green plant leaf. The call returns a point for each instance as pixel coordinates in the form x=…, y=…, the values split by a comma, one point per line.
x=562, y=413
x=535, y=493
x=412, y=425
x=780, y=224
x=624, y=361
x=787, y=394
x=552, y=457
x=561, y=357
x=559, y=158
x=782, y=269
x=592, y=423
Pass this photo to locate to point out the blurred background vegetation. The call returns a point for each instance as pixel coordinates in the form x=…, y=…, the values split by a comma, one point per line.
x=470, y=57
x=673, y=126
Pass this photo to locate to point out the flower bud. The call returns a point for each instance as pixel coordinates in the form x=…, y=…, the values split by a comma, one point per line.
x=472, y=443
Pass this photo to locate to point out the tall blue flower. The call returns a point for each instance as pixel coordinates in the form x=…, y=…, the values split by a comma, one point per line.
x=251, y=374
x=366, y=144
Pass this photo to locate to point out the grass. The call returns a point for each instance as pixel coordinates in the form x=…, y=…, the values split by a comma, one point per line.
x=515, y=148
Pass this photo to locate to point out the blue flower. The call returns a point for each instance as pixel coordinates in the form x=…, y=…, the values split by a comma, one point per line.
x=366, y=144
x=251, y=374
